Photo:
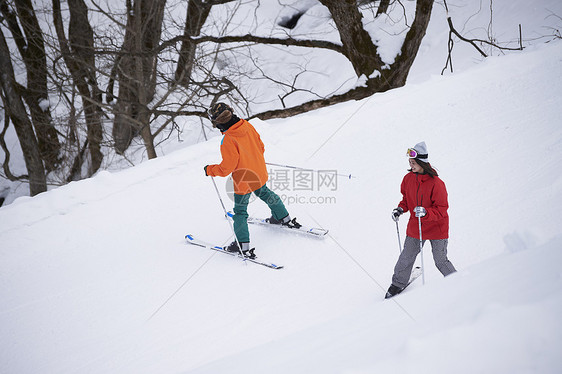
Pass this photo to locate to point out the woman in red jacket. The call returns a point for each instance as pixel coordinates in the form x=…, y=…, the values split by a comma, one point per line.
x=425, y=196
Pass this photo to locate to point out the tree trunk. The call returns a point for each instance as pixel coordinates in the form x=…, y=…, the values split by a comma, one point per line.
x=137, y=74
x=398, y=72
x=32, y=49
x=197, y=13
x=383, y=7
x=78, y=55
x=24, y=129
x=81, y=38
x=357, y=44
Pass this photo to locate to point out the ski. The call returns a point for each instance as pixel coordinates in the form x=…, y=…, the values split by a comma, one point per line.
x=194, y=241
x=315, y=232
x=416, y=273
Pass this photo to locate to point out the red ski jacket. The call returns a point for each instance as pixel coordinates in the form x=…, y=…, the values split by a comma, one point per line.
x=242, y=155
x=422, y=190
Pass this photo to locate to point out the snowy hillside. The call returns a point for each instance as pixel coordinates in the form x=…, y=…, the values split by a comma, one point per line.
x=96, y=277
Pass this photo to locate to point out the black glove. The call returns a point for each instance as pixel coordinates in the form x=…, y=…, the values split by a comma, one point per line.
x=205, y=168
x=396, y=213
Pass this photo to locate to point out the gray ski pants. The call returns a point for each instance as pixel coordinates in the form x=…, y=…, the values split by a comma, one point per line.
x=405, y=263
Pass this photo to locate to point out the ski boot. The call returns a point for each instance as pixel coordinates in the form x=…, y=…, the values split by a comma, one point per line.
x=287, y=221
x=392, y=291
x=234, y=248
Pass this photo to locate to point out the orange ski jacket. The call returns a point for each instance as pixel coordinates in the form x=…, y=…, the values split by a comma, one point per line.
x=242, y=156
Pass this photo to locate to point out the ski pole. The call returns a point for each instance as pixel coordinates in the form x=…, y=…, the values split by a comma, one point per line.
x=230, y=223
x=348, y=176
x=421, y=251
x=398, y=232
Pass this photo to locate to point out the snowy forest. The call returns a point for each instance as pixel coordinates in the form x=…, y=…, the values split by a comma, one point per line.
x=104, y=84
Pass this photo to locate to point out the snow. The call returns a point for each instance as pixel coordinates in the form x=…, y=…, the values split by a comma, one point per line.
x=96, y=277
x=44, y=104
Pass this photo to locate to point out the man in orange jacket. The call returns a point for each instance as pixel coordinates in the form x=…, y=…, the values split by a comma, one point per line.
x=242, y=156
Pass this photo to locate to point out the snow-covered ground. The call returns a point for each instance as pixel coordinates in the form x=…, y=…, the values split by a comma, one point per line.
x=96, y=277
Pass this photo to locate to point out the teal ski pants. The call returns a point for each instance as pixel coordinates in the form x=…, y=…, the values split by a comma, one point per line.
x=241, y=202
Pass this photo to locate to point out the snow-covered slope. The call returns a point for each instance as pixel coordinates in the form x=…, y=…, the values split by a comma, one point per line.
x=95, y=276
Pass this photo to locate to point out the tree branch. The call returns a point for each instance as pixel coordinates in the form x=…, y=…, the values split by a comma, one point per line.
x=358, y=93
x=473, y=42
x=251, y=39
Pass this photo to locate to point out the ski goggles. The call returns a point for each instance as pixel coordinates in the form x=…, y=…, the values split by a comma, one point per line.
x=412, y=153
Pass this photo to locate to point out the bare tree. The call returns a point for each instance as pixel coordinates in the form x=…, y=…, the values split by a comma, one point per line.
x=476, y=43
x=356, y=46
x=197, y=12
x=136, y=67
x=398, y=72
x=78, y=54
x=198, y=64
x=30, y=44
x=137, y=72
x=14, y=106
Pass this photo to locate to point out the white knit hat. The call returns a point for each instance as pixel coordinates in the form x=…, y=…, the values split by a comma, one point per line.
x=421, y=150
